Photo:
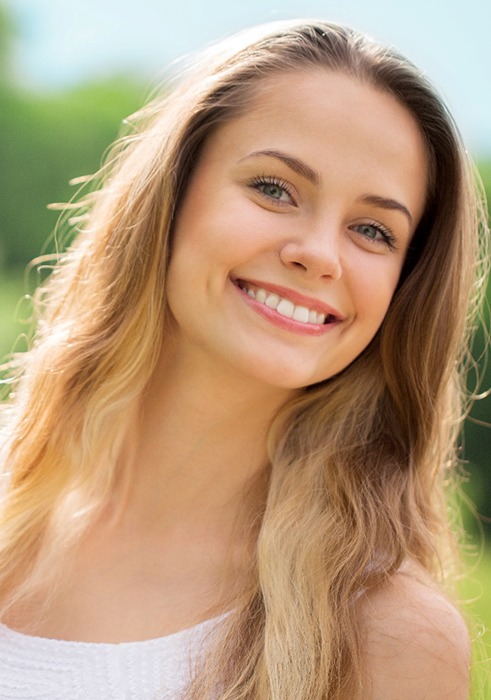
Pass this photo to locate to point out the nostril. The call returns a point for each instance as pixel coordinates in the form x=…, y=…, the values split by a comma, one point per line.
x=310, y=258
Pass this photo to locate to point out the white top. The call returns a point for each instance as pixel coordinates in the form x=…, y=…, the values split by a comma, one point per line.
x=36, y=668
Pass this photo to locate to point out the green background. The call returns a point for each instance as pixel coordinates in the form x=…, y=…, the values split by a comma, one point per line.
x=49, y=138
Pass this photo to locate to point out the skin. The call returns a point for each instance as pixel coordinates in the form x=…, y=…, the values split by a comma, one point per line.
x=307, y=238
x=180, y=549
x=416, y=643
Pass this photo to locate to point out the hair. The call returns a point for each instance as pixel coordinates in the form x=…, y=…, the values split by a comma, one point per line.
x=357, y=480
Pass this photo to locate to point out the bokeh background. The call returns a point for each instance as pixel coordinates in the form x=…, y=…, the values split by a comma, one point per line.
x=71, y=71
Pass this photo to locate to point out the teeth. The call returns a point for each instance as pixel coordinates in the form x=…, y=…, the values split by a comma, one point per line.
x=285, y=307
x=272, y=300
x=301, y=313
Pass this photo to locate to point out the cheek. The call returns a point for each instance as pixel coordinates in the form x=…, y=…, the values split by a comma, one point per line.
x=224, y=234
x=374, y=294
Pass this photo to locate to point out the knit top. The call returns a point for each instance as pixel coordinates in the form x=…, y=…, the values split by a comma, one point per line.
x=37, y=668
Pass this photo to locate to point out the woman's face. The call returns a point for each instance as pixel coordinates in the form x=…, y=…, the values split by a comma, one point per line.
x=292, y=233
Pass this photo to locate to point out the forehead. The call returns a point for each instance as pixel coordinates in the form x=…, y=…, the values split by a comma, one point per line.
x=347, y=130
x=326, y=99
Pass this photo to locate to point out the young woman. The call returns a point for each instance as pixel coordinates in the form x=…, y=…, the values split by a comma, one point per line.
x=227, y=450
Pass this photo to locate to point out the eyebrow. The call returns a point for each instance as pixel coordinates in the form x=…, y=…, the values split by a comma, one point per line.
x=301, y=168
x=295, y=164
x=387, y=203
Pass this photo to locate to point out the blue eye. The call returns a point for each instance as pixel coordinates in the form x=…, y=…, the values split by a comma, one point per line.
x=376, y=233
x=369, y=230
x=273, y=188
x=273, y=191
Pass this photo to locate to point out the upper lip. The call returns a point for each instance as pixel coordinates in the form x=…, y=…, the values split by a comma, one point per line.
x=297, y=298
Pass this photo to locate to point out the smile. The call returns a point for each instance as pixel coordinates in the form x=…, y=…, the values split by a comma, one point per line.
x=286, y=307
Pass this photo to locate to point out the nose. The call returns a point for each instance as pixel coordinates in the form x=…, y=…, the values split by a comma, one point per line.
x=316, y=254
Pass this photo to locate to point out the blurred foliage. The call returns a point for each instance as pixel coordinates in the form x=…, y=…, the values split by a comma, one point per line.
x=476, y=451
x=46, y=141
x=7, y=35
x=484, y=168
x=49, y=138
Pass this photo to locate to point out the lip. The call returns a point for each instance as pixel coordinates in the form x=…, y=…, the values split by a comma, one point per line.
x=297, y=298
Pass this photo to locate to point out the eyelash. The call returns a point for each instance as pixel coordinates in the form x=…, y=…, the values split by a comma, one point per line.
x=257, y=182
x=388, y=238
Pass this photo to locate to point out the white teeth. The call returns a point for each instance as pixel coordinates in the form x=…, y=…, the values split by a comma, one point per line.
x=301, y=313
x=285, y=307
x=272, y=300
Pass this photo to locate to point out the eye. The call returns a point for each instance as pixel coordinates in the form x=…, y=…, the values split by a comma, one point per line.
x=273, y=188
x=376, y=233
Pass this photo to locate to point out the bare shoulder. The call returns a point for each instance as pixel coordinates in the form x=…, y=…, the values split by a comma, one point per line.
x=416, y=644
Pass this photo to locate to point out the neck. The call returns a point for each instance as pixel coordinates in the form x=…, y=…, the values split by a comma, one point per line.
x=199, y=452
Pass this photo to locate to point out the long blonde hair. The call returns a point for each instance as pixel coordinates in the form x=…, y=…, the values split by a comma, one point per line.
x=358, y=463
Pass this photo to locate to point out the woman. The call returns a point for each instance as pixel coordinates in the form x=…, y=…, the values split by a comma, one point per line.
x=229, y=443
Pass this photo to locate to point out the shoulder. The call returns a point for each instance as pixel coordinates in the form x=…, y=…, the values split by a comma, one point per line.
x=416, y=645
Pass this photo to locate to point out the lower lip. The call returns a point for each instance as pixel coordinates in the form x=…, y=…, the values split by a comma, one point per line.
x=287, y=324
